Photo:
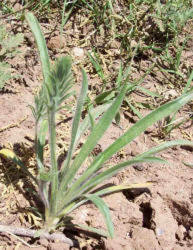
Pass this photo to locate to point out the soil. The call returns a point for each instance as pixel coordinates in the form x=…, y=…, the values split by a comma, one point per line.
x=155, y=218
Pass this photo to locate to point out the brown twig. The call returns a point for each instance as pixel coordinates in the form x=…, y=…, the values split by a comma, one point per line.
x=13, y=124
x=32, y=234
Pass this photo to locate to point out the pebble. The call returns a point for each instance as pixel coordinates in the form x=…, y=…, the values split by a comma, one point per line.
x=79, y=52
x=138, y=167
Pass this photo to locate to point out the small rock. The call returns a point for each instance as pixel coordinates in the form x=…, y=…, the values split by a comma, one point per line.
x=79, y=52
x=138, y=167
x=180, y=233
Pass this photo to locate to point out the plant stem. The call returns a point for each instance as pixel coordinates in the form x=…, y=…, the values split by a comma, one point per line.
x=32, y=233
x=54, y=170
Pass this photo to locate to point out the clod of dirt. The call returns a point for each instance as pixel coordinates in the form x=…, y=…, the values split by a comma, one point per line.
x=163, y=223
x=144, y=239
x=117, y=244
x=56, y=43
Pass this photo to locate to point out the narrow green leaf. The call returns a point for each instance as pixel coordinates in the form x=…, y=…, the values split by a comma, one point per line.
x=97, y=66
x=85, y=124
x=147, y=156
x=94, y=137
x=105, y=96
x=120, y=76
x=122, y=187
x=148, y=92
x=117, y=118
x=135, y=111
x=76, y=122
x=114, y=170
x=188, y=82
x=35, y=27
x=131, y=134
x=102, y=192
x=82, y=188
x=92, y=123
x=41, y=140
x=104, y=210
x=163, y=146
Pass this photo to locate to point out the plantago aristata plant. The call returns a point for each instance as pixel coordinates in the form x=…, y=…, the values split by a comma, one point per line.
x=61, y=189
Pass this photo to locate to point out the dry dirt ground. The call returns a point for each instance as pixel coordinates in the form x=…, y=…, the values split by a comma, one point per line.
x=157, y=218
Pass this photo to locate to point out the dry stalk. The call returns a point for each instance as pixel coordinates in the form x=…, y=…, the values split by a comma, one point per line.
x=25, y=232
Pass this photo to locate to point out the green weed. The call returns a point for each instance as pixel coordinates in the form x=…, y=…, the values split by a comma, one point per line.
x=8, y=49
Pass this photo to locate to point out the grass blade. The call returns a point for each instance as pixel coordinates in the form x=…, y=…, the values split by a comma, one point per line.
x=104, y=210
x=148, y=92
x=76, y=122
x=163, y=146
x=92, y=182
x=85, y=124
x=135, y=111
x=131, y=134
x=114, y=170
x=122, y=187
x=94, y=137
x=108, y=191
x=147, y=156
x=188, y=82
x=35, y=27
x=97, y=67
